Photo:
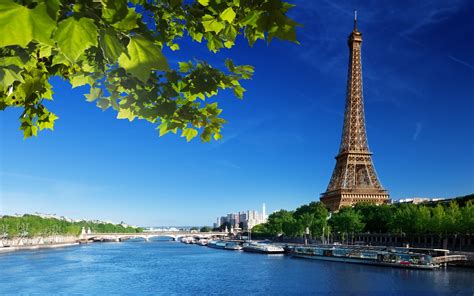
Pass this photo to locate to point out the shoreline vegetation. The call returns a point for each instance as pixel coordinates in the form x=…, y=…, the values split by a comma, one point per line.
x=32, y=232
x=28, y=226
x=313, y=220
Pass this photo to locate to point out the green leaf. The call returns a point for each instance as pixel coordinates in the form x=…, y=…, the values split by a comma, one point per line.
x=11, y=61
x=103, y=103
x=20, y=25
x=125, y=113
x=114, y=10
x=94, y=94
x=52, y=8
x=251, y=18
x=75, y=36
x=228, y=15
x=185, y=67
x=7, y=77
x=49, y=122
x=239, y=91
x=217, y=136
x=129, y=22
x=80, y=80
x=204, y=2
x=111, y=45
x=189, y=133
x=211, y=24
x=30, y=86
x=29, y=131
x=174, y=46
x=143, y=57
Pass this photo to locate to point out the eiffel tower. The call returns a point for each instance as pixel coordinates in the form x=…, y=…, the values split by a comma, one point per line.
x=354, y=178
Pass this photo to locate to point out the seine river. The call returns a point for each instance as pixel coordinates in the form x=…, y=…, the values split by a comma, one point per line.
x=172, y=268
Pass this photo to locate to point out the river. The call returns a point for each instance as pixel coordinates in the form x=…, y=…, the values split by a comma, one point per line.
x=172, y=268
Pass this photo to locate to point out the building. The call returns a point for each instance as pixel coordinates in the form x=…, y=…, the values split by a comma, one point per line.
x=354, y=178
x=418, y=200
x=243, y=219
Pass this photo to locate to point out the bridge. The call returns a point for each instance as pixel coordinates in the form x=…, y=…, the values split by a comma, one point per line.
x=443, y=260
x=174, y=235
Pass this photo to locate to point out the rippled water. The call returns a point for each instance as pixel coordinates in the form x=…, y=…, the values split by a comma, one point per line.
x=172, y=268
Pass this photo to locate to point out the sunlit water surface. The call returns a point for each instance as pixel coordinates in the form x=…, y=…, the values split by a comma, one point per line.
x=172, y=268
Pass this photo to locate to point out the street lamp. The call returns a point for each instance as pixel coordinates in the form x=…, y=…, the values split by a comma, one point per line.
x=306, y=235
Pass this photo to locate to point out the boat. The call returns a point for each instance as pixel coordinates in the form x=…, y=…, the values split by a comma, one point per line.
x=202, y=242
x=394, y=257
x=188, y=240
x=216, y=244
x=235, y=246
x=255, y=247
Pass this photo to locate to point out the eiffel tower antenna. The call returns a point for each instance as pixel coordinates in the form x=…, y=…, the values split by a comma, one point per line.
x=355, y=20
x=354, y=178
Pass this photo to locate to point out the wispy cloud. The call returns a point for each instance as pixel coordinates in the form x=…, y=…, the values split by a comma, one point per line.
x=244, y=127
x=426, y=15
x=461, y=62
x=418, y=129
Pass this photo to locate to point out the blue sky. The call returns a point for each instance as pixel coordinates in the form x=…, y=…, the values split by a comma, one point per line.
x=280, y=142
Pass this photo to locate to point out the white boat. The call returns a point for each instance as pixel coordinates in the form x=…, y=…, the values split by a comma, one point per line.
x=202, y=242
x=188, y=240
x=263, y=248
x=235, y=246
x=216, y=244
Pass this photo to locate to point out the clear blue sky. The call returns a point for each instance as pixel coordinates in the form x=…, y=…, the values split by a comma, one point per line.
x=280, y=142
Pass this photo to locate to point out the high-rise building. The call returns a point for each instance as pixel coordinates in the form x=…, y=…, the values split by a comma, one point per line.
x=247, y=219
x=354, y=178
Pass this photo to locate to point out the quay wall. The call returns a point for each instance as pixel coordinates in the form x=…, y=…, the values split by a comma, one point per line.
x=38, y=241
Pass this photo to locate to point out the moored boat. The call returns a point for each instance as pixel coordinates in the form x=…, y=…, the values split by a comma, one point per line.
x=234, y=246
x=202, y=242
x=216, y=244
x=254, y=247
x=370, y=256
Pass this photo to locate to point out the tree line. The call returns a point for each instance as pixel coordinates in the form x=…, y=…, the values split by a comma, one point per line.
x=32, y=225
x=313, y=219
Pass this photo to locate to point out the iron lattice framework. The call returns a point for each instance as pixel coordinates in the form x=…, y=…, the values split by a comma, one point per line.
x=354, y=178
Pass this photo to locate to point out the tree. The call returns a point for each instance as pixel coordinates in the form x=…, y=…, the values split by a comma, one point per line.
x=452, y=220
x=279, y=221
x=467, y=218
x=119, y=48
x=260, y=229
x=347, y=220
x=376, y=217
x=437, y=220
x=206, y=229
x=314, y=216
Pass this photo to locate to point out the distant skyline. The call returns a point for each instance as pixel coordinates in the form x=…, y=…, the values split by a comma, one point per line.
x=280, y=141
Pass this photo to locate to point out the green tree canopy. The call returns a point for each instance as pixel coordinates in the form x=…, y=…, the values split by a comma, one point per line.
x=119, y=48
x=279, y=222
x=314, y=216
x=205, y=229
x=32, y=225
x=347, y=220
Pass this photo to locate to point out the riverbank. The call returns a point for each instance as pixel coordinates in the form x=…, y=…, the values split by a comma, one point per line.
x=36, y=243
x=36, y=247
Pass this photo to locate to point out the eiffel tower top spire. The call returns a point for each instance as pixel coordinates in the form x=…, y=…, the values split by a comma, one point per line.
x=355, y=20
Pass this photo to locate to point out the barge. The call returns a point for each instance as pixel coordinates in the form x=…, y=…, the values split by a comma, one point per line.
x=382, y=256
